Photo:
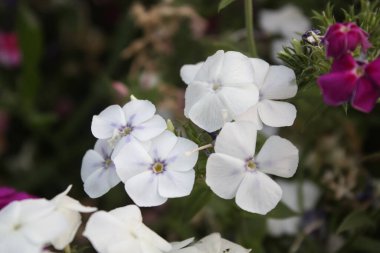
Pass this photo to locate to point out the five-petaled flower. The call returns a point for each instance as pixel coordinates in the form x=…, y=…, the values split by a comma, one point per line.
x=342, y=38
x=352, y=81
x=158, y=170
x=235, y=171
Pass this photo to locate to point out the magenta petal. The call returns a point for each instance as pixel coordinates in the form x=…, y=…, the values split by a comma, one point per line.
x=372, y=70
x=337, y=87
x=343, y=63
x=8, y=195
x=365, y=95
x=353, y=39
x=336, y=44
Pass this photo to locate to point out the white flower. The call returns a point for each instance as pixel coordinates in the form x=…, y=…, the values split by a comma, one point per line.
x=310, y=195
x=29, y=225
x=98, y=171
x=213, y=244
x=219, y=89
x=153, y=173
x=274, y=83
x=235, y=171
x=136, y=119
x=70, y=209
x=122, y=230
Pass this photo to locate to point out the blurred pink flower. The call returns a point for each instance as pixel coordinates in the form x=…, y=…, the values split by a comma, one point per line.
x=8, y=195
x=10, y=54
x=120, y=88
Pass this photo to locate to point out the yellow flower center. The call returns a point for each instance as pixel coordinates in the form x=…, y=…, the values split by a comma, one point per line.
x=251, y=165
x=158, y=167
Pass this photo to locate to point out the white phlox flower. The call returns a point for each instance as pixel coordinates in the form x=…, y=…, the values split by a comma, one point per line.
x=153, y=173
x=213, y=243
x=310, y=195
x=98, y=171
x=219, y=89
x=235, y=171
x=122, y=230
x=70, y=209
x=274, y=83
x=28, y=226
x=136, y=120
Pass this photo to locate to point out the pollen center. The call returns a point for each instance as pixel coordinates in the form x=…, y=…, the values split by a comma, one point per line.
x=251, y=165
x=216, y=86
x=158, y=168
x=107, y=163
x=126, y=131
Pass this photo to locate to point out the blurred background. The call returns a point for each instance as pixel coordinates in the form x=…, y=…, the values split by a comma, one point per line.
x=62, y=61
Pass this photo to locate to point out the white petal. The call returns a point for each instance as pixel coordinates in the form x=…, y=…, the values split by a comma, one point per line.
x=173, y=184
x=194, y=93
x=224, y=174
x=73, y=221
x=16, y=242
x=132, y=159
x=237, y=139
x=288, y=226
x=189, y=71
x=210, y=243
x=128, y=214
x=258, y=193
x=138, y=111
x=162, y=145
x=103, y=148
x=311, y=194
x=260, y=69
x=143, y=189
x=100, y=182
x=150, y=128
x=91, y=162
x=280, y=83
x=210, y=70
x=182, y=157
x=276, y=113
x=34, y=209
x=236, y=70
x=128, y=244
x=152, y=241
x=251, y=115
x=62, y=201
x=9, y=215
x=238, y=100
x=104, y=125
x=209, y=113
x=181, y=244
x=278, y=157
x=230, y=247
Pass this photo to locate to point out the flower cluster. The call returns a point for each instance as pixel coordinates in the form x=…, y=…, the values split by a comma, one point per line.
x=134, y=147
x=29, y=225
x=350, y=80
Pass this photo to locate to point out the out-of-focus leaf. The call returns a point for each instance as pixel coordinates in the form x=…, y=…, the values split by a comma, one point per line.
x=224, y=3
x=281, y=211
x=354, y=221
x=196, y=201
x=365, y=244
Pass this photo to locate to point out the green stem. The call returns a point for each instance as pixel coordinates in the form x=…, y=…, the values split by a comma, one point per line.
x=249, y=27
x=67, y=249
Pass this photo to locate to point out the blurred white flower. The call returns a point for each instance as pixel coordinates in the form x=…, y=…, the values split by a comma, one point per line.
x=310, y=195
x=136, y=119
x=122, y=230
x=219, y=89
x=70, y=209
x=235, y=171
x=274, y=83
x=98, y=171
x=29, y=225
x=158, y=171
x=213, y=244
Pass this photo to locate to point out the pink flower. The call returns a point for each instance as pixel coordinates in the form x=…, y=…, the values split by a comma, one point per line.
x=352, y=81
x=8, y=195
x=343, y=37
x=10, y=54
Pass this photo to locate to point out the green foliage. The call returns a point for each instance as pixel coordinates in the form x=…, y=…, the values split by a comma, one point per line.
x=224, y=3
x=357, y=220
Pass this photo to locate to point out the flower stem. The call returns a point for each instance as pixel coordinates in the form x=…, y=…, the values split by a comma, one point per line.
x=249, y=27
x=67, y=249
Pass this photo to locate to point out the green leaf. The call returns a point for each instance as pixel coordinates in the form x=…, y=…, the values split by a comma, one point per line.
x=281, y=211
x=365, y=244
x=224, y=3
x=355, y=221
x=196, y=201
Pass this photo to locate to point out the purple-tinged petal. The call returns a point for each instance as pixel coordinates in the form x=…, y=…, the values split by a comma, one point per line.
x=8, y=195
x=365, y=95
x=344, y=63
x=336, y=45
x=372, y=70
x=353, y=39
x=337, y=87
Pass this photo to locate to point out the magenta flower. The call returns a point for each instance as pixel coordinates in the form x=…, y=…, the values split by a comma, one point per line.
x=352, y=81
x=343, y=37
x=10, y=54
x=8, y=195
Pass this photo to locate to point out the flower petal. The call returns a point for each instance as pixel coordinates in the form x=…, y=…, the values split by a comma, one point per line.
x=258, y=193
x=143, y=189
x=194, y=93
x=174, y=184
x=104, y=125
x=182, y=157
x=288, y=226
x=103, y=148
x=373, y=71
x=100, y=182
x=138, y=111
x=277, y=113
x=236, y=70
x=280, y=83
x=224, y=174
x=162, y=145
x=278, y=156
x=227, y=246
x=91, y=162
x=189, y=71
x=251, y=115
x=365, y=95
x=150, y=128
x=237, y=139
x=260, y=69
x=210, y=70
